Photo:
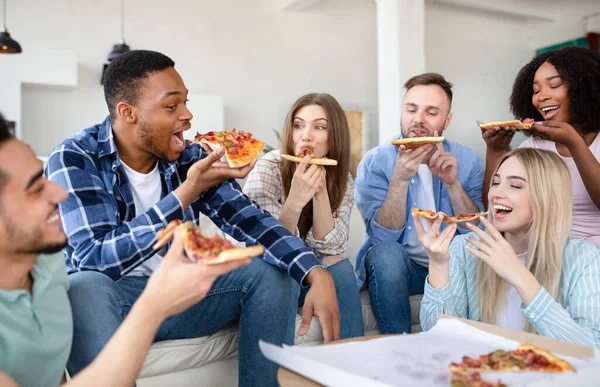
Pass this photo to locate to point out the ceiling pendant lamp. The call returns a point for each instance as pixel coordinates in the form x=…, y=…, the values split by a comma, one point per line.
x=119, y=48
x=7, y=44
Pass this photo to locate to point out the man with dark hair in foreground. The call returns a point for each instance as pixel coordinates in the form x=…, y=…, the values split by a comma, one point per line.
x=36, y=327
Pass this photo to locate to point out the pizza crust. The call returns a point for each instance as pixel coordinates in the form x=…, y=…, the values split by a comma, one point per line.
x=416, y=142
x=427, y=214
x=563, y=364
x=235, y=255
x=515, y=124
x=314, y=160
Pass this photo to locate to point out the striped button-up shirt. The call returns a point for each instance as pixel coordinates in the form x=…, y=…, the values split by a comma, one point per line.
x=576, y=318
x=105, y=233
x=265, y=187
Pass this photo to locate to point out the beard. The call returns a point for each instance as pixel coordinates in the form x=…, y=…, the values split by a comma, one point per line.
x=405, y=131
x=147, y=136
x=28, y=240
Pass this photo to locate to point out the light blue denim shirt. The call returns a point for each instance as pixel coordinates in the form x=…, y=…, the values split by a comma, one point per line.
x=372, y=182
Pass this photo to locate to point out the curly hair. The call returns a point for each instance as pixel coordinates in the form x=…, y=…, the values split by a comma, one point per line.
x=580, y=69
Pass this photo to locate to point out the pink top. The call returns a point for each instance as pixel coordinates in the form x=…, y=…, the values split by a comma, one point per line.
x=586, y=216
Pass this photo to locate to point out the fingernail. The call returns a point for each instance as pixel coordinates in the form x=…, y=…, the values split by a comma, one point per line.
x=481, y=217
x=538, y=123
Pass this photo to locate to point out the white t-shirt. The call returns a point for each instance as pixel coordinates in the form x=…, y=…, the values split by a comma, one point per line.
x=509, y=313
x=147, y=190
x=425, y=201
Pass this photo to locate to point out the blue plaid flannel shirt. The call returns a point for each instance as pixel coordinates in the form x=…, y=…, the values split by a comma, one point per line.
x=104, y=232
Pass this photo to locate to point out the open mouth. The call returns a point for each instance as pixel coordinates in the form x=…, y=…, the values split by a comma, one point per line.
x=550, y=111
x=53, y=218
x=501, y=210
x=178, y=141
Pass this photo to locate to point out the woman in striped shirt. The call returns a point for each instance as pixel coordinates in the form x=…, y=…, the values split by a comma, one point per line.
x=312, y=201
x=524, y=273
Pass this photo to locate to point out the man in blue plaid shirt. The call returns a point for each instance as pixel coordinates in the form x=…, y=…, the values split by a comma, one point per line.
x=127, y=178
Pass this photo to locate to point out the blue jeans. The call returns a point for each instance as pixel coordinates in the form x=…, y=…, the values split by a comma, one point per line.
x=347, y=291
x=392, y=277
x=262, y=297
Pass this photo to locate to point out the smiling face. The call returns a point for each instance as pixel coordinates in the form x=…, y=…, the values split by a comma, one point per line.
x=310, y=130
x=426, y=109
x=162, y=115
x=29, y=217
x=509, y=198
x=550, y=94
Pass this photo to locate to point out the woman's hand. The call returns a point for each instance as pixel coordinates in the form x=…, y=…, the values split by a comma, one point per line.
x=306, y=182
x=498, y=139
x=436, y=244
x=494, y=250
x=559, y=132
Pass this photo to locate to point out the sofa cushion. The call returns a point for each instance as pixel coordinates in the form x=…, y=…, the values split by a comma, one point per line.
x=177, y=355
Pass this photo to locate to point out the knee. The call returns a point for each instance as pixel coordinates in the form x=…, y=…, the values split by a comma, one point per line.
x=388, y=258
x=88, y=287
x=276, y=282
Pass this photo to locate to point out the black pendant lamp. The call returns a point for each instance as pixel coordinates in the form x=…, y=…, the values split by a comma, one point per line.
x=7, y=44
x=119, y=48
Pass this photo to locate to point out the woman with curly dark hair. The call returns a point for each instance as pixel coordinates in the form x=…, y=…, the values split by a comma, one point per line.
x=560, y=89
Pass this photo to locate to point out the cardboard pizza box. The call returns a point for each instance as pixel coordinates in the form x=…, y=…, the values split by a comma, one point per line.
x=294, y=367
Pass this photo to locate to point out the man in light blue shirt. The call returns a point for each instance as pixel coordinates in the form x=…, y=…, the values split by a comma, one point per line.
x=391, y=180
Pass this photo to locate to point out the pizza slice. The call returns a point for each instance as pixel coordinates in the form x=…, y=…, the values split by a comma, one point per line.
x=211, y=250
x=464, y=217
x=512, y=124
x=416, y=142
x=240, y=147
x=428, y=214
x=525, y=358
x=307, y=151
x=471, y=379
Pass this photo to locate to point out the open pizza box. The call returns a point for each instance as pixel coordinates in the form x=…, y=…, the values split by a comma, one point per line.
x=422, y=358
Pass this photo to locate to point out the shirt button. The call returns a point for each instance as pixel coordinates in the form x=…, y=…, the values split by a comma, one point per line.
x=414, y=203
x=412, y=180
x=409, y=227
x=532, y=315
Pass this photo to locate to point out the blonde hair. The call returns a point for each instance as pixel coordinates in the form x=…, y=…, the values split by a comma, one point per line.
x=338, y=138
x=551, y=199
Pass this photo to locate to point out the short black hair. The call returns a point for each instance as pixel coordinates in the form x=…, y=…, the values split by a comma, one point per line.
x=5, y=135
x=124, y=76
x=580, y=69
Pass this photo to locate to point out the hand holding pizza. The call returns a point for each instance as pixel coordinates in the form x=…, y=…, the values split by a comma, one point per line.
x=494, y=250
x=408, y=160
x=209, y=171
x=306, y=182
x=498, y=139
x=560, y=132
x=179, y=283
x=436, y=244
x=443, y=165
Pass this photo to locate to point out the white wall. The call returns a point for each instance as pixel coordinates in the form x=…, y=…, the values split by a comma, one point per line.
x=257, y=57
x=260, y=59
x=480, y=53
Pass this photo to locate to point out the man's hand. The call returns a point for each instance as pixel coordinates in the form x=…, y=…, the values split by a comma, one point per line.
x=498, y=139
x=207, y=172
x=443, y=165
x=321, y=302
x=408, y=160
x=179, y=283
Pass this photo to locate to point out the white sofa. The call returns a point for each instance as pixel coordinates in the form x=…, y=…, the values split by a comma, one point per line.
x=212, y=360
